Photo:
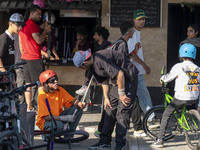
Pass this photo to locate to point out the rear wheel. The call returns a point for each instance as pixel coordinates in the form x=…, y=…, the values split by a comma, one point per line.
x=152, y=126
x=192, y=136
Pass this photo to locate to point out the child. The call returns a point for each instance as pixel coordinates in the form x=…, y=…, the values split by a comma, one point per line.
x=186, y=87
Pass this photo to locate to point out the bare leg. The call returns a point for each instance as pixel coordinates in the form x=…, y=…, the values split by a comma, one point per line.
x=28, y=97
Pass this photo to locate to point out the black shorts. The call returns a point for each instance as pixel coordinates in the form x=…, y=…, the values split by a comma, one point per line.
x=32, y=70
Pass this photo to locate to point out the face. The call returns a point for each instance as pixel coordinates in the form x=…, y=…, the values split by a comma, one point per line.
x=131, y=31
x=36, y=16
x=15, y=27
x=81, y=38
x=191, y=33
x=53, y=83
x=96, y=37
x=139, y=23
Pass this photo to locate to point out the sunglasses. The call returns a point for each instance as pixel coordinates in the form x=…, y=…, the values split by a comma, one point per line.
x=53, y=79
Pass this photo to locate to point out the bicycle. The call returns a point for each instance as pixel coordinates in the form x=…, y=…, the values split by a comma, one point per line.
x=180, y=120
x=14, y=137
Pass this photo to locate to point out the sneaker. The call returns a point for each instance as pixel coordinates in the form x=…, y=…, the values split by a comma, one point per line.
x=97, y=133
x=158, y=143
x=100, y=145
x=120, y=147
x=139, y=133
x=82, y=90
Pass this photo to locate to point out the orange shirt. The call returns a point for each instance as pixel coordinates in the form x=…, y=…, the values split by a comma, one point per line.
x=56, y=102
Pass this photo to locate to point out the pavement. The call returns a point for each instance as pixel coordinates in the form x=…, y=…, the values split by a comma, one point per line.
x=89, y=122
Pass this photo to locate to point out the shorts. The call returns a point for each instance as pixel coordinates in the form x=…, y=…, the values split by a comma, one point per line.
x=32, y=70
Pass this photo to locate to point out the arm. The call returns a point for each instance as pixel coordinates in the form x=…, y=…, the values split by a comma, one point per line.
x=106, y=90
x=55, y=53
x=78, y=103
x=138, y=60
x=20, y=45
x=2, y=69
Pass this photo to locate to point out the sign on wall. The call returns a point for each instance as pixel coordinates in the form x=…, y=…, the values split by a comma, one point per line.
x=122, y=10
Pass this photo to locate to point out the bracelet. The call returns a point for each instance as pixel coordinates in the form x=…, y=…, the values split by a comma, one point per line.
x=134, y=52
x=121, y=92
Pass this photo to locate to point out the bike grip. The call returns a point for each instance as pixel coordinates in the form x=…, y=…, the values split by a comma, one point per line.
x=32, y=84
x=47, y=102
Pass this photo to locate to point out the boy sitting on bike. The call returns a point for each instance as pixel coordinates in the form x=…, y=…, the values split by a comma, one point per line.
x=187, y=76
x=57, y=99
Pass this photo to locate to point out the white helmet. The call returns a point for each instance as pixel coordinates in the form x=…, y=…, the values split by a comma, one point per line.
x=52, y=17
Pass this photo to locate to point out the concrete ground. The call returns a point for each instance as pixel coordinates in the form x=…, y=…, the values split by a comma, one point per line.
x=89, y=122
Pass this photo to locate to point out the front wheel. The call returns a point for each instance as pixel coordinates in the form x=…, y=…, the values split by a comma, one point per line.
x=192, y=136
x=152, y=121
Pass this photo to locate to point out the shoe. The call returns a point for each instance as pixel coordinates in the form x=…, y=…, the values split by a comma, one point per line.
x=158, y=143
x=153, y=124
x=100, y=145
x=44, y=139
x=82, y=90
x=97, y=133
x=120, y=147
x=139, y=133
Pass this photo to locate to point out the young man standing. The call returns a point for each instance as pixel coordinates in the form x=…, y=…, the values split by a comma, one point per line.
x=16, y=22
x=138, y=60
x=29, y=43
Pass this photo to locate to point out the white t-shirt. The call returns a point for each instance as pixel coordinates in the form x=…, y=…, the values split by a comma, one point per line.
x=187, y=76
x=131, y=46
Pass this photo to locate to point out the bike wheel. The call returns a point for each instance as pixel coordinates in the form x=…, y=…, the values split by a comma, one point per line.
x=7, y=146
x=192, y=136
x=152, y=127
x=11, y=136
x=73, y=137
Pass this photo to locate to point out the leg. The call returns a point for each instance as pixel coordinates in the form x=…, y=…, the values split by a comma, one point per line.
x=143, y=95
x=28, y=98
x=20, y=80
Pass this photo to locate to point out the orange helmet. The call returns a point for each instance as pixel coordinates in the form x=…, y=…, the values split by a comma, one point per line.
x=44, y=76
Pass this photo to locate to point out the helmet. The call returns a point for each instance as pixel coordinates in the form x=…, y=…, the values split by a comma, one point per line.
x=44, y=76
x=46, y=17
x=40, y=3
x=187, y=50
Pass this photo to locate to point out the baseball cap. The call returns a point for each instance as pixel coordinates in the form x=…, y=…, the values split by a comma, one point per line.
x=80, y=57
x=18, y=18
x=139, y=14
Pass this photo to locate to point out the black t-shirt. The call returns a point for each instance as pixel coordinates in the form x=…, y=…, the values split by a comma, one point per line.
x=107, y=64
x=6, y=49
x=104, y=45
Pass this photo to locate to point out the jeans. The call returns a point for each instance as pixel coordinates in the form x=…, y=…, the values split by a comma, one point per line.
x=174, y=105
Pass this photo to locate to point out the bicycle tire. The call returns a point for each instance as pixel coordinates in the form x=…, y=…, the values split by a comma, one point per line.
x=153, y=131
x=7, y=146
x=9, y=135
x=192, y=137
x=73, y=137
x=88, y=3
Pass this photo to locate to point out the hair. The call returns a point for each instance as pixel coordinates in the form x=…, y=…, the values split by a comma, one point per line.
x=195, y=27
x=125, y=26
x=102, y=31
x=82, y=30
x=29, y=10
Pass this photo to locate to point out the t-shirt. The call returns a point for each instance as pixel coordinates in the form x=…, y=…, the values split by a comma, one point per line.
x=56, y=102
x=31, y=50
x=6, y=49
x=107, y=64
x=44, y=44
x=17, y=50
x=131, y=46
x=187, y=76
x=104, y=45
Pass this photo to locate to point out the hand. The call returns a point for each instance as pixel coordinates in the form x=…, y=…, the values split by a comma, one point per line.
x=198, y=109
x=69, y=118
x=81, y=105
x=125, y=100
x=107, y=103
x=161, y=81
x=147, y=69
x=47, y=27
x=137, y=47
x=57, y=58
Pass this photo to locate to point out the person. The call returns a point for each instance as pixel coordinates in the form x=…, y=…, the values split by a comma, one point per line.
x=82, y=44
x=20, y=79
x=187, y=76
x=16, y=22
x=30, y=45
x=44, y=45
x=118, y=78
x=57, y=98
x=138, y=60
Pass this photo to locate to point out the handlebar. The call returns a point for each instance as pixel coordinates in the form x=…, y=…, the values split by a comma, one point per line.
x=15, y=66
x=164, y=88
x=19, y=90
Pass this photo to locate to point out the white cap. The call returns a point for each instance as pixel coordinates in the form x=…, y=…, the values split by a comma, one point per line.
x=18, y=18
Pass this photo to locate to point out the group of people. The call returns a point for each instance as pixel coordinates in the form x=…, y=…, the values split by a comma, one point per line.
x=118, y=67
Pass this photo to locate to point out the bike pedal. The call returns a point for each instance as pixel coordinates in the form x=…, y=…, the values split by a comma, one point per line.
x=176, y=132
